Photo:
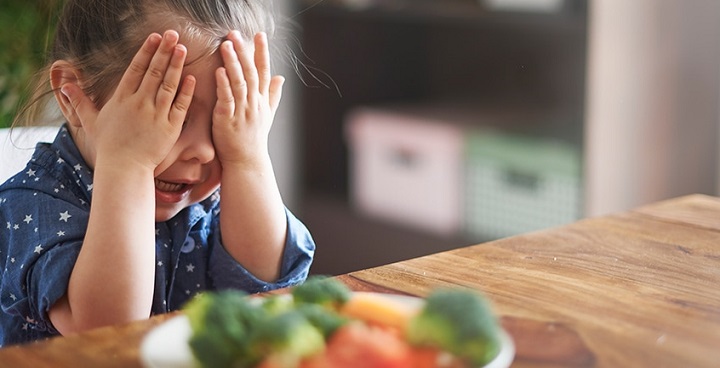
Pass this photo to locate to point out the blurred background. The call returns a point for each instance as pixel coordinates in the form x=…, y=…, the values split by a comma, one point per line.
x=409, y=127
x=26, y=32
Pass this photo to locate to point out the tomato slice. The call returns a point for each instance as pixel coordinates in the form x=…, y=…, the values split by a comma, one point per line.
x=358, y=345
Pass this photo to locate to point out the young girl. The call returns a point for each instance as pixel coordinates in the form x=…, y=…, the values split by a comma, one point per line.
x=120, y=217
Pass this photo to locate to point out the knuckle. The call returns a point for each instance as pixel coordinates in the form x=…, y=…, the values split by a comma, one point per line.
x=168, y=87
x=135, y=67
x=180, y=105
x=222, y=112
x=155, y=72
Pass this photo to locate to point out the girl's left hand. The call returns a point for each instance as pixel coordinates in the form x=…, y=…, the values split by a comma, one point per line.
x=247, y=98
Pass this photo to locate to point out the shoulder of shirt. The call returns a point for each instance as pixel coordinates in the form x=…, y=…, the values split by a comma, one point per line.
x=46, y=173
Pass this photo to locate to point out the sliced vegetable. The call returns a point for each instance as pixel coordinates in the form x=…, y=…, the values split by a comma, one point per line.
x=323, y=325
x=379, y=309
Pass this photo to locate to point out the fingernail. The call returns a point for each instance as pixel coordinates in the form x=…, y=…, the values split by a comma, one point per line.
x=179, y=50
x=228, y=46
x=64, y=91
x=171, y=35
x=154, y=38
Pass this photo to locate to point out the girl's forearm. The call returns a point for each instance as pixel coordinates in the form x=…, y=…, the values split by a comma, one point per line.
x=113, y=279
x=252, y=219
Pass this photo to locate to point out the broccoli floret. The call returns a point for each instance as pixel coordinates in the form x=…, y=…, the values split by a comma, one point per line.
x=458, y=321
x=325, y=320
x=276, y=304
x=322, y=290
x=232, y=330
x=222, y=323
x=288, y=338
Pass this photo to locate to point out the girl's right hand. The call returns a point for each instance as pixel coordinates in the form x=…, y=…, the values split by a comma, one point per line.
x=143, y=118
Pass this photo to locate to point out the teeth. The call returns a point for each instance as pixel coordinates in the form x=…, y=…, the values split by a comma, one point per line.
x=167, y=187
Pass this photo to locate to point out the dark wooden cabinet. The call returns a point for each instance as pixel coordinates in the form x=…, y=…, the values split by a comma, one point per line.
x=422, y=52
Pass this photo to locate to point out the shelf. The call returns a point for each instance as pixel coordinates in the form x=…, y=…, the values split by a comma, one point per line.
x=393, y=62
x=522, y=73
x=457, y=12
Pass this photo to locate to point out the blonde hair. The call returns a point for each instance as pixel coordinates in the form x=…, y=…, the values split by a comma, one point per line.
x=100, y=38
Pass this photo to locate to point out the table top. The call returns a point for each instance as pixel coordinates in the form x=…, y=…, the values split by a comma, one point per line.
x=633, y=289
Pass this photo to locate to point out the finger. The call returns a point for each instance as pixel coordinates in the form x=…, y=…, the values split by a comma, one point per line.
x=262, y=62
x=155, y=73
x=225, y=105
x=245, y=55
x=275, y=92
x=84, y=108
x=182, y=101
x=138, y=66
x=171, y=81
x=233, y=71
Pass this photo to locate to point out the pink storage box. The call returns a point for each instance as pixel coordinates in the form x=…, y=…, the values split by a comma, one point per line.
x=406, y=168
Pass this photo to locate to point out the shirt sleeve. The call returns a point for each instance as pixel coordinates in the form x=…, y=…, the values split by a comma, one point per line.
x=44, y=237
x=47, y=282
x=298, y=254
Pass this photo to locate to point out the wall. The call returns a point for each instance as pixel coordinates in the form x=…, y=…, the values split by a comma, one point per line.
x=652, y=100
x=284, y=144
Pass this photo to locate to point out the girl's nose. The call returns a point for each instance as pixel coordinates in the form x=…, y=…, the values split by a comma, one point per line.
x=198, y=144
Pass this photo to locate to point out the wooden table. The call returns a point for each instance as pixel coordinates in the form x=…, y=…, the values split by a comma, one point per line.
x=635, y=289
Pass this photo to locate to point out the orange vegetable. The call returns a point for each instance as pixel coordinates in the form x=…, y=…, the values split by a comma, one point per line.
x=379, y=309
x=424, y=357
x=375, y=339
x=358, y=345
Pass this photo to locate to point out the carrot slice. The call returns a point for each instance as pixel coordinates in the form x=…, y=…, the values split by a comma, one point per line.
x=379, y=309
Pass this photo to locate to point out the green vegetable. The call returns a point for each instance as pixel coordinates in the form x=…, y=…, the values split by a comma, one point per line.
x=276, y=304
x=230, y=329
x=458, y=321
x=222, y=323
x=325, y=320
x=322, y=290
x=287, y=338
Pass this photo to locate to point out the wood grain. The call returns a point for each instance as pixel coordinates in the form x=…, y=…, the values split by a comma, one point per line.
x=115, y=346
x=639, y=288
x=634, y=289
x=698, y=209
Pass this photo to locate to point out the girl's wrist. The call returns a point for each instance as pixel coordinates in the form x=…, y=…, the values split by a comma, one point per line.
x=122, y=170
x=254, y=163
x=123, y=163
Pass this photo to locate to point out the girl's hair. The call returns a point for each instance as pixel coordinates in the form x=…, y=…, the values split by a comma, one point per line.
x=100, y=38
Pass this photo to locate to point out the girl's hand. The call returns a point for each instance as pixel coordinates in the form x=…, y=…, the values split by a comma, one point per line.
x=143, y=118
x=112, y=280
x=247, y=100
x=253, y=220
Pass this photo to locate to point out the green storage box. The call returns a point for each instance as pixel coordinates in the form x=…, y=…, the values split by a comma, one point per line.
x=517, y=184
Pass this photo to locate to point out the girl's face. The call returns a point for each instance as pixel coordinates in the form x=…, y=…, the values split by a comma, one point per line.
x=191, y=172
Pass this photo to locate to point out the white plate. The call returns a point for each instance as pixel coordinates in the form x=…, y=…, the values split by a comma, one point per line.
x=166, y=346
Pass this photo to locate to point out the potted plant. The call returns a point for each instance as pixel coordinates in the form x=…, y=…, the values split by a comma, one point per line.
x=26, y=33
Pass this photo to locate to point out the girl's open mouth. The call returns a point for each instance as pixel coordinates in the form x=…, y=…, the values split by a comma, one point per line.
x=165, y=186
x=171, y=192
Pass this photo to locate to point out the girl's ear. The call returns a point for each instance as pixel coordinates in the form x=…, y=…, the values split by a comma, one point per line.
x=62, y=73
